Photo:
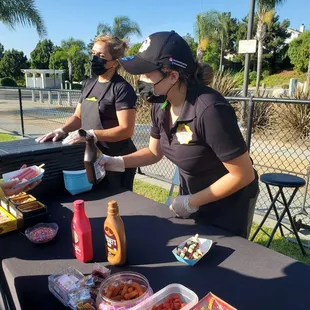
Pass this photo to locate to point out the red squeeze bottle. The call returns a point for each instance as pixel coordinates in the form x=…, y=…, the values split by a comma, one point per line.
x=81, y=233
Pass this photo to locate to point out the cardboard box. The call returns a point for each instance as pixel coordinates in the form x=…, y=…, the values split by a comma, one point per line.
x=212, y=302
x=7, y=222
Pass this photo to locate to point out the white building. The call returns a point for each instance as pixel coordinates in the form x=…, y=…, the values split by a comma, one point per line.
x=53, y=80
x=294, y=33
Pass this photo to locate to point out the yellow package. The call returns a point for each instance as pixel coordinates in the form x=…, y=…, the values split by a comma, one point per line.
x=7, y=222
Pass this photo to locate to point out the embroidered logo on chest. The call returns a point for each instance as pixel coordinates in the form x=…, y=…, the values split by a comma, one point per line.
x=184, y=134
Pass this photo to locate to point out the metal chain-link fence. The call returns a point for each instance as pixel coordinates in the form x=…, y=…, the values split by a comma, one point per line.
x=277, y=130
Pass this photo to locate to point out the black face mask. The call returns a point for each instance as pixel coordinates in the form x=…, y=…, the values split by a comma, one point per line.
x=98, y=65
x=146, y=91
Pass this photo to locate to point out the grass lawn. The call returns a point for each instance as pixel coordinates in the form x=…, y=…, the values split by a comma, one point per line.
x=279, y=244
x=283, y=78
x=5, y=137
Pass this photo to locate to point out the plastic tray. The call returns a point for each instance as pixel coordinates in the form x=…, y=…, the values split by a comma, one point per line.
x=186, y=295
x=76, y=182
x=204, y=245
x=7, y=177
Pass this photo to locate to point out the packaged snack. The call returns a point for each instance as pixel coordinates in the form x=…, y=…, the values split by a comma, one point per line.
x=212, y=302
x=7, y=222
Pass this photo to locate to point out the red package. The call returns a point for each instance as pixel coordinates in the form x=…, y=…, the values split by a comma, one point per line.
x=212, y=302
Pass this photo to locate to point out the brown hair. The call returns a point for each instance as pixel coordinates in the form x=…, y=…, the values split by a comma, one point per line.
x=116, y=46
x=202, y=76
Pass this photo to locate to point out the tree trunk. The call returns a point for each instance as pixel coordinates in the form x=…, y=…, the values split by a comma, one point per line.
x=221, y=56
x=259, y=63
x=199, y=54
x=70, y=72
x=260, y=36
x=307, y=89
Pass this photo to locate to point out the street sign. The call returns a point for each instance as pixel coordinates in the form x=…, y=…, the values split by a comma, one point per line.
x=247, y=46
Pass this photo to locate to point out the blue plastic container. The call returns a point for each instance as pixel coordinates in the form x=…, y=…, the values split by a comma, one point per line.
x=76, y=182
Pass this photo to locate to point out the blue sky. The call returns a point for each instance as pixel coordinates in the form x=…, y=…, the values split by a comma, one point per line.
x=79, y=18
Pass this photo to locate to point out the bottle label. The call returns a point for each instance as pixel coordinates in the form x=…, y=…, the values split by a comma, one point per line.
x=75, y=239
x=111, y=241
x=99, y=170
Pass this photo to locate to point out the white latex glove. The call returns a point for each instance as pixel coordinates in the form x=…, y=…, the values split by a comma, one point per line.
x=74, y=137
x=180, y=206
x=56, y=135
x=112, y=163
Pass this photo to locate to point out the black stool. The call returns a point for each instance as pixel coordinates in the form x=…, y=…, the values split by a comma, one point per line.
x=281, y=180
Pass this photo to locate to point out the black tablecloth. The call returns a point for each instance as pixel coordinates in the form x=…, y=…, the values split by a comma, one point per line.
x=244, y=274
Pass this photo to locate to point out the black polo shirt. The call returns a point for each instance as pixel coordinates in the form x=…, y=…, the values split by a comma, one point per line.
x=205, y=135
x=113, y=96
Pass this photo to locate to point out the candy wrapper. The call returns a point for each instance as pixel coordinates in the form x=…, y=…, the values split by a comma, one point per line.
x=212, y=302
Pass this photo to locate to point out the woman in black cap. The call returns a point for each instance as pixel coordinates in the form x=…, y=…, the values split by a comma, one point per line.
x=196, y=128
x=106, y=109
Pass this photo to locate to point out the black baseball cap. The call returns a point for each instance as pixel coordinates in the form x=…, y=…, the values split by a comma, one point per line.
x=160, y=49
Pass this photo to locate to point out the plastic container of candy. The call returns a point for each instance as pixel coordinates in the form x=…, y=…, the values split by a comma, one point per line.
x=42, y=233
x=62, y=285
x=123, y=291
x=185, y=295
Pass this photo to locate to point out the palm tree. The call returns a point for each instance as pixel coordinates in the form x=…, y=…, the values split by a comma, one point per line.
x=69, y=49
x=265, y=14
x=211, y=26
x=122, y=28
x=23, y=12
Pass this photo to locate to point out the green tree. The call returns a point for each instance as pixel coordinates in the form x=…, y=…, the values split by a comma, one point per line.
x=40, y=56
x=191, y=42
x=299, y=52
x=11, y=64
x=123, y=27
x=59, y=63
x=68, y=51
x=211, y=56
x=78, y=66
x=1, y=50
x=265, y=14
x=213, y=26
x=23, y=12
x=133, y=50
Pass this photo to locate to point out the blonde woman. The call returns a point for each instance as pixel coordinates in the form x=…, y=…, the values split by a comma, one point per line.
x=106, y=110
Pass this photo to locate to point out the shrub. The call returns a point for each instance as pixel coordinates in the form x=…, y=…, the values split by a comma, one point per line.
x=265, y=73
x=7, y=81
x=225, y=83
x=252, y=76
x=296, y=117
x=239, y=78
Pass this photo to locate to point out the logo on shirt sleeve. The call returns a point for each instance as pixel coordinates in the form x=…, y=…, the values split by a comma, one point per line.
x=184, y=134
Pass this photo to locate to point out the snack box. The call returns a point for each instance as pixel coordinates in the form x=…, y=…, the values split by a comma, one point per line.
x=36, y=171
x=186, y=296
x=204, y=246
x=7, y=222
x=4, y=201
x=212, y=302
x=28, y=209
x=29, y=214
